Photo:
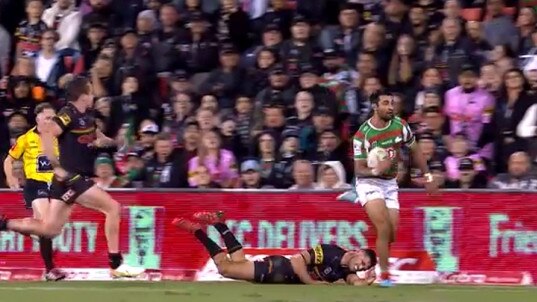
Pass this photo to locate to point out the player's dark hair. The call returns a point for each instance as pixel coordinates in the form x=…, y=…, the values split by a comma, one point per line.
x=76, y=88
x=42, y=107
x=375, y=96
x=372, y=255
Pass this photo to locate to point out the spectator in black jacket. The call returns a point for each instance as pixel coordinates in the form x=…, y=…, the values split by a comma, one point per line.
x=163, y=171
x=198, y=49
x=271, y=38
x=225, y=82
x=233, y=25
x=165, y=50
x=101, y=13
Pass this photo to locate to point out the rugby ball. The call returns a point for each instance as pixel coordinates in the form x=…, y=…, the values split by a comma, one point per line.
x=375, y=155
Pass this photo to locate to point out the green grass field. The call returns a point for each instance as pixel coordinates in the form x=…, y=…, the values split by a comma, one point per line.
x=245, y=292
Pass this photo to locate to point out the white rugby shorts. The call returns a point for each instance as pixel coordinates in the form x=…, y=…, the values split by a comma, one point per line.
x=376, y=188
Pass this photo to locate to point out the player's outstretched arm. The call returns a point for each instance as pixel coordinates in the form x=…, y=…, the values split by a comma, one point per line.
x=421, y=162
x=300, y=263
x=103, y=141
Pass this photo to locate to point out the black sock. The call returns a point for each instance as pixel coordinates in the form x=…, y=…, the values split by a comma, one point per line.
x=232, y=244
x=114, y=260
x=45, y=248
x=3, y=224
x=210, y=245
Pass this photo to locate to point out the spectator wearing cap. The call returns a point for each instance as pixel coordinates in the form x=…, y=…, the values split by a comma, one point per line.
x=279, y=14
x=105, y=174
x=468, y=178
x=499, y=29
x=344, y=36
x=459, y=149
x=469, y=110
x=280, y=88
x=165, y=49
x=331, y=176
x=271, y=38
x=300, y=49
x=221, y=163
x=198, y=48
x=164, y=169
x=259, y=74
x=430, y=150
x=250, y=175
x=309, y=81
x=147, y=135
x=340, y=79
x=64, y=17
x=227, y=81
x=514, y=100
x=304, y=176
x=180, y=82
x=289, y=152
x=519, y=175
x=452, y=53
x=438, y=170
x=233, y=25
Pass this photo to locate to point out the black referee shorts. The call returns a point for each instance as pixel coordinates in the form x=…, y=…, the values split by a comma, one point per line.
x=34, y=189
x=68, y=191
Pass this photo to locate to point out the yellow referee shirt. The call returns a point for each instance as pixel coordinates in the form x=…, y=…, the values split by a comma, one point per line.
x=36, y=164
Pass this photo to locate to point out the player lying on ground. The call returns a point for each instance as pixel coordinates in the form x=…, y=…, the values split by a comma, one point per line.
x=376, y=186
x=77, y=135
x=38, y=172
x=326, y=263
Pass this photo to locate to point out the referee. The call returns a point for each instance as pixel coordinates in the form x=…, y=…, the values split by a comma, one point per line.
x=38, y=172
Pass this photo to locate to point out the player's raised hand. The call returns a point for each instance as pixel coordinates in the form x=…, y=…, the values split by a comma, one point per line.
x=431, y=185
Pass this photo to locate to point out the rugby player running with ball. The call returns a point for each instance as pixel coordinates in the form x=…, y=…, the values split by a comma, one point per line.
x=377, y=151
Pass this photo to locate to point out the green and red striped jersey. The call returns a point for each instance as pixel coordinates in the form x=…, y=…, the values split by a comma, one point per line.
x=392, y=137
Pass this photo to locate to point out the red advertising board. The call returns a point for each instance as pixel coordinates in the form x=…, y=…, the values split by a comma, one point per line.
x=460, y=231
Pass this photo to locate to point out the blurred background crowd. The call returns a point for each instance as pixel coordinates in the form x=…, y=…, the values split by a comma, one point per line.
x=268, y=93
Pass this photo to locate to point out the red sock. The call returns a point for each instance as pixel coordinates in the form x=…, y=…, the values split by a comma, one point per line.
x=384, y=275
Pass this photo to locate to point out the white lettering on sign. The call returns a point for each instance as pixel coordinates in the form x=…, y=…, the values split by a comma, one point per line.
x=508, y=237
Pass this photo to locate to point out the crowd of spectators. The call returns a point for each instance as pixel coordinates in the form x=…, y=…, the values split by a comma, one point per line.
x=268, y=93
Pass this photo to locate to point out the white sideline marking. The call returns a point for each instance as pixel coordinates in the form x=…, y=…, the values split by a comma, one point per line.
x=92, y=289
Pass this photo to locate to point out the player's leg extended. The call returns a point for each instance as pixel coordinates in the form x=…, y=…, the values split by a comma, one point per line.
x=242, y=270
x=378, y=213
x=394, y=223
x=40, y=208
x=233, y=246
x=50, y=226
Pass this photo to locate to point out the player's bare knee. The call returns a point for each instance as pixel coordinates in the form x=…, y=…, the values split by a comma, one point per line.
x=113, y=209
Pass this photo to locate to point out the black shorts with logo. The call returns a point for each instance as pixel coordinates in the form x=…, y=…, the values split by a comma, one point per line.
x=68, y=191
x=34, y=189
x=275, y=270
